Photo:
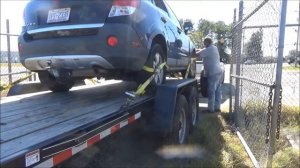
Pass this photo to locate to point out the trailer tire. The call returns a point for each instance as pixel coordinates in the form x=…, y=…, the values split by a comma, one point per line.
x=181, y=124
x=193, y=101
x=54, y=84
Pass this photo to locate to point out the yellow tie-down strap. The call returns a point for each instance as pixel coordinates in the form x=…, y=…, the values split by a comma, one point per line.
x=141, y=89
x=187, y=71
x=8, y=86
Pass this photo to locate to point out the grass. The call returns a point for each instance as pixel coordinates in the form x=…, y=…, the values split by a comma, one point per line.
x=222, y=145
x=285, y=155
x=290, y=117
x=291, y=68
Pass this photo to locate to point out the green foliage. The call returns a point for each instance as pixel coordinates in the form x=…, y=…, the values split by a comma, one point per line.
x=287, y=157
x=290, y=116
x=223, y=147
x=293, y=56
x=254, y=47
x=219, y=31
x=197, y=38
x=291, y=68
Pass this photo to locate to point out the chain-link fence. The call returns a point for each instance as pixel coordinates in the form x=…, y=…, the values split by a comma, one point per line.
x=256, y=72
x=11, y=68
x=291, y=69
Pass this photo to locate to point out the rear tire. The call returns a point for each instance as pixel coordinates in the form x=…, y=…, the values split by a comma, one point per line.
x=180, y=122
x=55, y=84
x=155, y=59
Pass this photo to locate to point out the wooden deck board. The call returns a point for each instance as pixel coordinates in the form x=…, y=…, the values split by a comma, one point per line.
x=28, y=121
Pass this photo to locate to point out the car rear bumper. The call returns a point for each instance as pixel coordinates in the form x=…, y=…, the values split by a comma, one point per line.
x=67, y=62
x=83, y=51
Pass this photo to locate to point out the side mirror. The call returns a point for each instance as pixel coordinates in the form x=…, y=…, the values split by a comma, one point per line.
x=187, y=26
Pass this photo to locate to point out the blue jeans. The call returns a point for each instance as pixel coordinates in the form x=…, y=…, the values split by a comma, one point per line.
x=214, y=92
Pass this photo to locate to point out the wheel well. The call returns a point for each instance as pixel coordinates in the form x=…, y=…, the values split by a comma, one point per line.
x=160, y=39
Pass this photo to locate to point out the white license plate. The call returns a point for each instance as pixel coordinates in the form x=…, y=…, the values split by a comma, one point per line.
x=58, y=15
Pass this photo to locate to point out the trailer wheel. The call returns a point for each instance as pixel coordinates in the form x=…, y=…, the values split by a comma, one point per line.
x=180, y=122
x=54, y=84
x=193, y=101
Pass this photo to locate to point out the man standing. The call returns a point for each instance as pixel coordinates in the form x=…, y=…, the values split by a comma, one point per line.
x=213, y=71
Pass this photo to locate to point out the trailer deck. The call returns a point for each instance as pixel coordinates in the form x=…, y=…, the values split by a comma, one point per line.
x=43, y=120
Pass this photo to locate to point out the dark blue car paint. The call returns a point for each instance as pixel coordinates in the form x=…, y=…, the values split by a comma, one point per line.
x=142, y=27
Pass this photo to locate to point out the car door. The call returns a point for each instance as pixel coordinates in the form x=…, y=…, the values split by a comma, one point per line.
x=170, y=33
x=182, y=40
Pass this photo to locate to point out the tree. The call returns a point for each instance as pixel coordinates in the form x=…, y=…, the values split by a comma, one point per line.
x=292, y=57
x=254, y=47
x=196, y=37
x=220, y=32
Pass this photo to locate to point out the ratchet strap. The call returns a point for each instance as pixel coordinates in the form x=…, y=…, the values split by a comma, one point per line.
x=142, y=88
x=187, y=71
x=6, y=87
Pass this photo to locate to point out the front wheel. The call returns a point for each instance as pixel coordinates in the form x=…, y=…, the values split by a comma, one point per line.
x=55, y=84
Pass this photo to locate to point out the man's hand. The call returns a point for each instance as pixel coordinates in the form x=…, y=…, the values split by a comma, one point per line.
x=198, y=51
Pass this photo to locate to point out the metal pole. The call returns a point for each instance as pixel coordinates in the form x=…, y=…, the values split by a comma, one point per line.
x=231, y=64
x=8, y=52
x=271, y=150
x=238, y=62
x=297, y=44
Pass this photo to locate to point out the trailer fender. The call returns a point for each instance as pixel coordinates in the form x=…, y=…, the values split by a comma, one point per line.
x=164, y=107
x=165, y=104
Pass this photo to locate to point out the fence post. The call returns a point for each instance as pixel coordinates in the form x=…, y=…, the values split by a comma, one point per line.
x=277, y=93
x=238, y=61
x=8, y=52
x=231, y=63
x=298, y=38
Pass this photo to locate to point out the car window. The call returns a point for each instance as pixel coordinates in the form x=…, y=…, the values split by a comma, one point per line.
x=161, y=5
x=172, y=15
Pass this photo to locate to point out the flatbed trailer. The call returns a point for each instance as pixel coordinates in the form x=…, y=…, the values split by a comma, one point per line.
x=44, y=129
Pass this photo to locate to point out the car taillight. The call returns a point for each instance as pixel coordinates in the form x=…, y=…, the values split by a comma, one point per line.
x=123, y=7
x=112, y=41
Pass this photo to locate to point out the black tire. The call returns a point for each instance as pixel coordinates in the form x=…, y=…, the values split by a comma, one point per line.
x=192, y=70
x=193, y=101
x=63, y=84
x=155, y=58
x=203, y=85
x=181, y=124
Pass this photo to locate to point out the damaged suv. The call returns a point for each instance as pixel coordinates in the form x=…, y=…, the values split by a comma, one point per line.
x=68, y=40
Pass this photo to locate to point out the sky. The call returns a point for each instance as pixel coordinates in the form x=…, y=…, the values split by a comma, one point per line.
x=213, y=10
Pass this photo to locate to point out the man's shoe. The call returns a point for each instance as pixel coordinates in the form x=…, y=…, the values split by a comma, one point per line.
x=218, y=111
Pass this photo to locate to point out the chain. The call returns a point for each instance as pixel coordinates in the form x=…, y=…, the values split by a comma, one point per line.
x=279, y=114
x=269, y=114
